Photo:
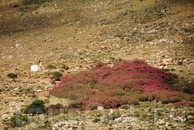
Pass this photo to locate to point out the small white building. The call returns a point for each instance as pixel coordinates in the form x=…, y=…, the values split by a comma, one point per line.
x=34, y=68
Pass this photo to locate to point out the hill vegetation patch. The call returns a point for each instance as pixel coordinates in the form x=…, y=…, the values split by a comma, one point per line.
x=121, y=84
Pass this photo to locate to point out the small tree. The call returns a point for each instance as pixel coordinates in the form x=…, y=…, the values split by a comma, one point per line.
x=37, y=107
x=13, y=76
x=57, y=76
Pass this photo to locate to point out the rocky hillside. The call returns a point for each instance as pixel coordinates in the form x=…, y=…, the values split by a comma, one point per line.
x=75, y=35
x=79, y=34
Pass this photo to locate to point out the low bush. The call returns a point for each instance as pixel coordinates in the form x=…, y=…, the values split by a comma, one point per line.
x=188, y=89
x=78, y=104
x=96, y=120
x=16, y=121
x=176, y=99
x=143, y=98
x=13, y=76
x=125, y=106
x=134, y=102
x=117, y=85
x=57, y=75
x=27, y=9
x=116, y=92
x=51, y=67
x=37, y=107
x=115, y=115
x=185, y=104
x=28, y=2
x=24, y=118
x=191, y=121
x=165, y=101
x=191, y=113
x=115, y=61
x=110, y=102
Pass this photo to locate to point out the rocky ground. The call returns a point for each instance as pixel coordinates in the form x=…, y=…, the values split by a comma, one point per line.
x=131, y=118
x=80, y=34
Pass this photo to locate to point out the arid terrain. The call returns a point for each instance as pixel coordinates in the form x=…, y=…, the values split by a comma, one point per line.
x=75, y=35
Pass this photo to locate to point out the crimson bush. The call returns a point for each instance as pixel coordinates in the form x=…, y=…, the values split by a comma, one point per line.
x=113, y=86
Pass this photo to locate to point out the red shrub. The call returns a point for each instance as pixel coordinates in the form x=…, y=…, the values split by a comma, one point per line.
x=112, y=87
x=185, y=104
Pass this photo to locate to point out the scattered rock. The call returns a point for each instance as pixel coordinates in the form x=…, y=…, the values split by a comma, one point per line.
x=5, y=117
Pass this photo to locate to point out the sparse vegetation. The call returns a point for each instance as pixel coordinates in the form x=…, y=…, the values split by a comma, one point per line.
x=92, y=49
x=16, y=121
x=37, y=107
x=57, y=75
x=13, y=76
x=96, y=120
x=51, y=67
x=134, y=102
x=29, y=2
x=117, y=60
x=65, y=67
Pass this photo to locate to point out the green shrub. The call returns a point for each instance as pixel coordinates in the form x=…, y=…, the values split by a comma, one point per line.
x=51, y=67
x=76, y=105
x=125, y=106
x=37, y=107
x=28, y=2
x=165, y=101
x=16, y=121
x=57, y=75
x=12, y=75
x=143, y=98
x=176, y=99
x=117, y=93
x=134, y=102
x=117, y=60
x=191, y=113
x=159, y=112
x=188, y=89
x=28, y=8
x=24, y=118
x=116, y=115
x=191, y=121
x=96, y=120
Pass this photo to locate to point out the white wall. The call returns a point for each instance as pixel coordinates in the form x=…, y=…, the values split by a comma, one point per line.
x=34, y=68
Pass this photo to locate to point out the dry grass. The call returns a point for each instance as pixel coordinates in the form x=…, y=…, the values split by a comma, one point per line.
x=81, y=33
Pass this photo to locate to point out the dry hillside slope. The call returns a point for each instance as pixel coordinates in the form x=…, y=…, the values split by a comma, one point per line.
x=74, y=35
x=81, y=33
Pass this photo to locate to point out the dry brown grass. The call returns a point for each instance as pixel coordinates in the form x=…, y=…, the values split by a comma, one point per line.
x=79, y=34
